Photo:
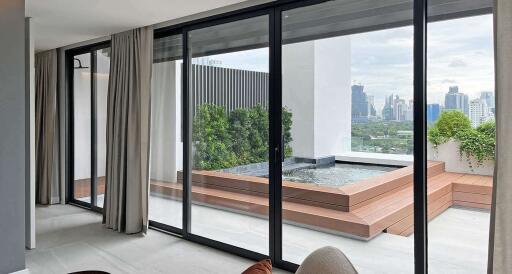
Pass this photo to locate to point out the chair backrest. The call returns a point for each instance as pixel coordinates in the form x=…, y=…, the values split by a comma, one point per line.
x=326, y=260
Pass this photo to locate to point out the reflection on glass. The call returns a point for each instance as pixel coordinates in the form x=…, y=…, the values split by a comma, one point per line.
x=166, y=144
x=347, y=83
x=461, y=134
x=102, y=75
x=82, y=127
x=230, y=120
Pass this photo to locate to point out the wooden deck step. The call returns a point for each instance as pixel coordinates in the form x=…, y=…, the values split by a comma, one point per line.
x=297, y=213
x=397, y=208
x=473, y=191
x=391, y=212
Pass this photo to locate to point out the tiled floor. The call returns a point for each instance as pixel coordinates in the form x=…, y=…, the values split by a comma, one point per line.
x=458, y=239
x=72, y=239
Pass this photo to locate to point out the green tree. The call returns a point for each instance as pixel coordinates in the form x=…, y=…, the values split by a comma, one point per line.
x=239, y=126
x=287, y=132
x=451, y=122
x=258, y=134
x=478, y=144
x=212, y=142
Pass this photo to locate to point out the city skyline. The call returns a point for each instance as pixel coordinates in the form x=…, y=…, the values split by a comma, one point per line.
x=478, y=110
x=382, y=60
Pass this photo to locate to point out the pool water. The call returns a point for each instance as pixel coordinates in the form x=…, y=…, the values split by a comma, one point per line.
x=335, y=176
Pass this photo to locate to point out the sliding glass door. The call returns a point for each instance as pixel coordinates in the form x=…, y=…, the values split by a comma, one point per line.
x=228, y=80
x=297, y=125
x=88, y=104
x=166, y=178
x=347, y=131
x=460, y=96
x=82, y=128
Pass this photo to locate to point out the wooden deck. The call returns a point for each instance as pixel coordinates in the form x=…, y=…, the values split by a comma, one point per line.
x=82, y=187
x=380, y=204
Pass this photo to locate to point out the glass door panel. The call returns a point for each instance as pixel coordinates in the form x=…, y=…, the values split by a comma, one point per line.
x=82, y=150
x=461, y=129
x=102, y=74
x=89, y=119
x=228, y=83
x=165, y=199
x=347, y=123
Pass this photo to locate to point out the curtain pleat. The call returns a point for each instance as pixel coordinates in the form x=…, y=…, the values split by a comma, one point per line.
x=46, y=124
x=500, y=239
x=128, y=129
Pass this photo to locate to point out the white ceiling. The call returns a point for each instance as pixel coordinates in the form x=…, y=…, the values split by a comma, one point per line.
x=58, y=23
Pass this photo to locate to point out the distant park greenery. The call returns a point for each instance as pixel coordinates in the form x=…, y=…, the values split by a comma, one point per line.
x=474, y=143
x=394, y=137
x=223, y=140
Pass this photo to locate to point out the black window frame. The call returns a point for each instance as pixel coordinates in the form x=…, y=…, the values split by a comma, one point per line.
x=274, y=11
x=69, y=142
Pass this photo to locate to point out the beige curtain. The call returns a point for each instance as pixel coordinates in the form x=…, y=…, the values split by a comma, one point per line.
x=128, y=127
x=46, y=132
x=500, y=239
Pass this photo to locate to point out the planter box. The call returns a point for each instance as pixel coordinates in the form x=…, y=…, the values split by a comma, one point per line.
x=449, y=154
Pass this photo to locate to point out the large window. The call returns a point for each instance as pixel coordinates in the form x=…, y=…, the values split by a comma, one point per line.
x=295, y=126
x=89, y=119
x=461, y=135
x=166, y=185
x=332, y=87
x=230, y=132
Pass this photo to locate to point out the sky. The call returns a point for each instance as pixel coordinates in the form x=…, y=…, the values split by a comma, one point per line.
x=459, y=52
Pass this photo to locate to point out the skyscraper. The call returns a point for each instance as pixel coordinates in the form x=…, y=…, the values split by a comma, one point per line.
x=371, y=106
x=387, y=111
x=359, y=104
x=478, y=112
x=433, y=111
x=454, y=100
x=488, y=97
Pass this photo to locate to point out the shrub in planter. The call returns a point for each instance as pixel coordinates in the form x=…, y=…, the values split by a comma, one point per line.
x=211, y=138
x=478, y=144
x=223, y=141
x=287, y=132
x=239, y=126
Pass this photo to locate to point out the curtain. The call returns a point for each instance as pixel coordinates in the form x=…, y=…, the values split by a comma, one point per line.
x=128, y=128
x=500, y=239
x=46, y=128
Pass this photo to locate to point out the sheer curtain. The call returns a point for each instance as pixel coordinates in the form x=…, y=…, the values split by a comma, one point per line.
x=500, y=244
x=128, y=128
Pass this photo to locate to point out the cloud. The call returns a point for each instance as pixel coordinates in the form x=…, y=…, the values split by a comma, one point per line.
x=456, y=63
x=448, y=81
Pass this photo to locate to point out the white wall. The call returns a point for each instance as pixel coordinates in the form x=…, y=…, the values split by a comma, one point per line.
x=333, y=96
x=449, y=154
x=298, y=95
x=166, y=145
x=316, y=88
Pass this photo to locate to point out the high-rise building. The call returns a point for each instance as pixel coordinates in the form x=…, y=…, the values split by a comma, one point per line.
x=387, y=111
x=433, y=111
x=488, y=97
x=454, y=100
x=478, y=112
x=409, y=113
x=371, y=106
x=359, y=104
